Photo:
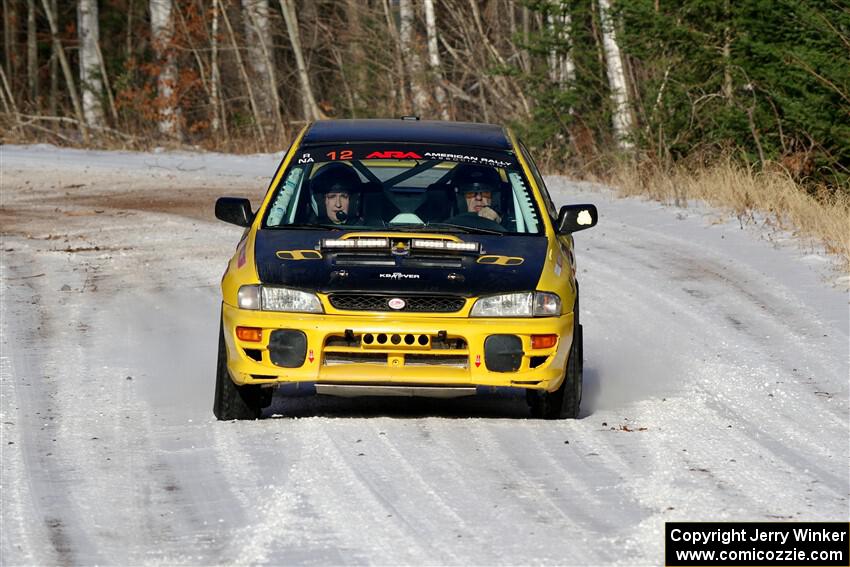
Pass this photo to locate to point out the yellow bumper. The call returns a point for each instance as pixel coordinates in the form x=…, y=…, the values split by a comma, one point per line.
x=397, y=349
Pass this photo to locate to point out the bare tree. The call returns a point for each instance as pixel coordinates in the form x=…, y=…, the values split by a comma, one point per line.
x=526, y=37
x=53, y=66
x=509, y=90
x=245, y=79
x=311, y=109
x=357, y=55
x=410, y=54
x=88, y=30
x=727, y=54
x=215, y=76
x=129, y=39
x=561, y=65
x=622, y=117
x=434, y=59
x=9, y=31
x=398, y=94
x=32, y=53
x=66, y=69
x=256, y=20
x=9, y=105
x=162, y=32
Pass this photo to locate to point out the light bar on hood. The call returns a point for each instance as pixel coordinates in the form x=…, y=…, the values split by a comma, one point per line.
x=435, y=244
x=355, y=243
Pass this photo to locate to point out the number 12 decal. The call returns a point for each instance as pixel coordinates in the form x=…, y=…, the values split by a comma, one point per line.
x=344, y=155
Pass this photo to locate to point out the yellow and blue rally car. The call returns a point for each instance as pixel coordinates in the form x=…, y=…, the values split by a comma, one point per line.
x=402, y=257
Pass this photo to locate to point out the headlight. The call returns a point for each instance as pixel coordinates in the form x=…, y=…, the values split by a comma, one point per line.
x=506, y=305
x=249, y=297
x=546, y=304
x=265, y=298
x=526, y=304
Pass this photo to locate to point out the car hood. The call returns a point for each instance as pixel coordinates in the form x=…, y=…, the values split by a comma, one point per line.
x=289, y=258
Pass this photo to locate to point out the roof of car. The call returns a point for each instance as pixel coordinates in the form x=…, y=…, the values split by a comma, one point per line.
x=489, y=136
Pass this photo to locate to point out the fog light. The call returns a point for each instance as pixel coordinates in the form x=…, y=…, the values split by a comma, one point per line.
x=250, y=334
x=543, y=341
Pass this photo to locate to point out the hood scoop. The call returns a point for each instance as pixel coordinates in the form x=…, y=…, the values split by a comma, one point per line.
x=390, y=261
x=447, y=262
x=355, y=260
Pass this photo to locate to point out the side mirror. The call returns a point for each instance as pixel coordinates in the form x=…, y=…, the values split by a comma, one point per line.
x=234, y=210
x=572, y=218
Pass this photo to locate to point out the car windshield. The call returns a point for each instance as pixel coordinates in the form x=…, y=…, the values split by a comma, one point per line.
x=404, y=189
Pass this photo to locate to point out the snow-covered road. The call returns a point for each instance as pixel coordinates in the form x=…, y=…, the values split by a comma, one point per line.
x=716, y=389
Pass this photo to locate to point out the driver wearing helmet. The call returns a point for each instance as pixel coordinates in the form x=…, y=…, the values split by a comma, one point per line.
x=477, y=185
x=336, y=188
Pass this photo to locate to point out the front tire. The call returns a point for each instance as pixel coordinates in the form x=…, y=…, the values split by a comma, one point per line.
x=232, y=401
x=564, y=402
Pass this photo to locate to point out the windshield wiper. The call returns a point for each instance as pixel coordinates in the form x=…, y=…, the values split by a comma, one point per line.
x=305, y=226
x=462, y=228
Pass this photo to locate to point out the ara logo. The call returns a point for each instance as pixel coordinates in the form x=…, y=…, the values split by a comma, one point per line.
x=305, y=158
x=393, y=155
x=399, y=276
x=400, y=249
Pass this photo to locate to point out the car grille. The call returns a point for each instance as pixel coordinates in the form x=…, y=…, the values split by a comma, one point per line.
x=413, y=303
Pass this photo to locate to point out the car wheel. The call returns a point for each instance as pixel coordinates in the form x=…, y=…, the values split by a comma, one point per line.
x=232, y=401
x=564, y=402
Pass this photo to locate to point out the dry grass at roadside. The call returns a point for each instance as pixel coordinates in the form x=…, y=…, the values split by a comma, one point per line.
x=771, y=194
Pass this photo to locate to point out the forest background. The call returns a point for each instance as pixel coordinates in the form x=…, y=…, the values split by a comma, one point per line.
x=745, y=103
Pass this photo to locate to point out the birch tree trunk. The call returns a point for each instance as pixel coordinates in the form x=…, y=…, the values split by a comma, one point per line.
x=215, y=78
x=311, y=109
x=526, y=37
x=622, y=118
x=88, y=31
x=411, y=57
x=561, y=66
x=162, y=31
x=32, y=53
x=434, y=59
x=256, y=21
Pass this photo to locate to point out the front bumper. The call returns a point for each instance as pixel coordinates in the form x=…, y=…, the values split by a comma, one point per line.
x=394, y=349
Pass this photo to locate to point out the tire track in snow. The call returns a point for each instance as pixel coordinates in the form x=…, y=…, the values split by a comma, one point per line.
x=531, y=494
x=49, y=467
x=22, y=532
x=753, y=298
x=758, y=492
x=318, y=509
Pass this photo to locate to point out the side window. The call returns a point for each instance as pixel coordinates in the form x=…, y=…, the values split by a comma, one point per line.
x=525, y=211
x=538, y=179
x=282, y=208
